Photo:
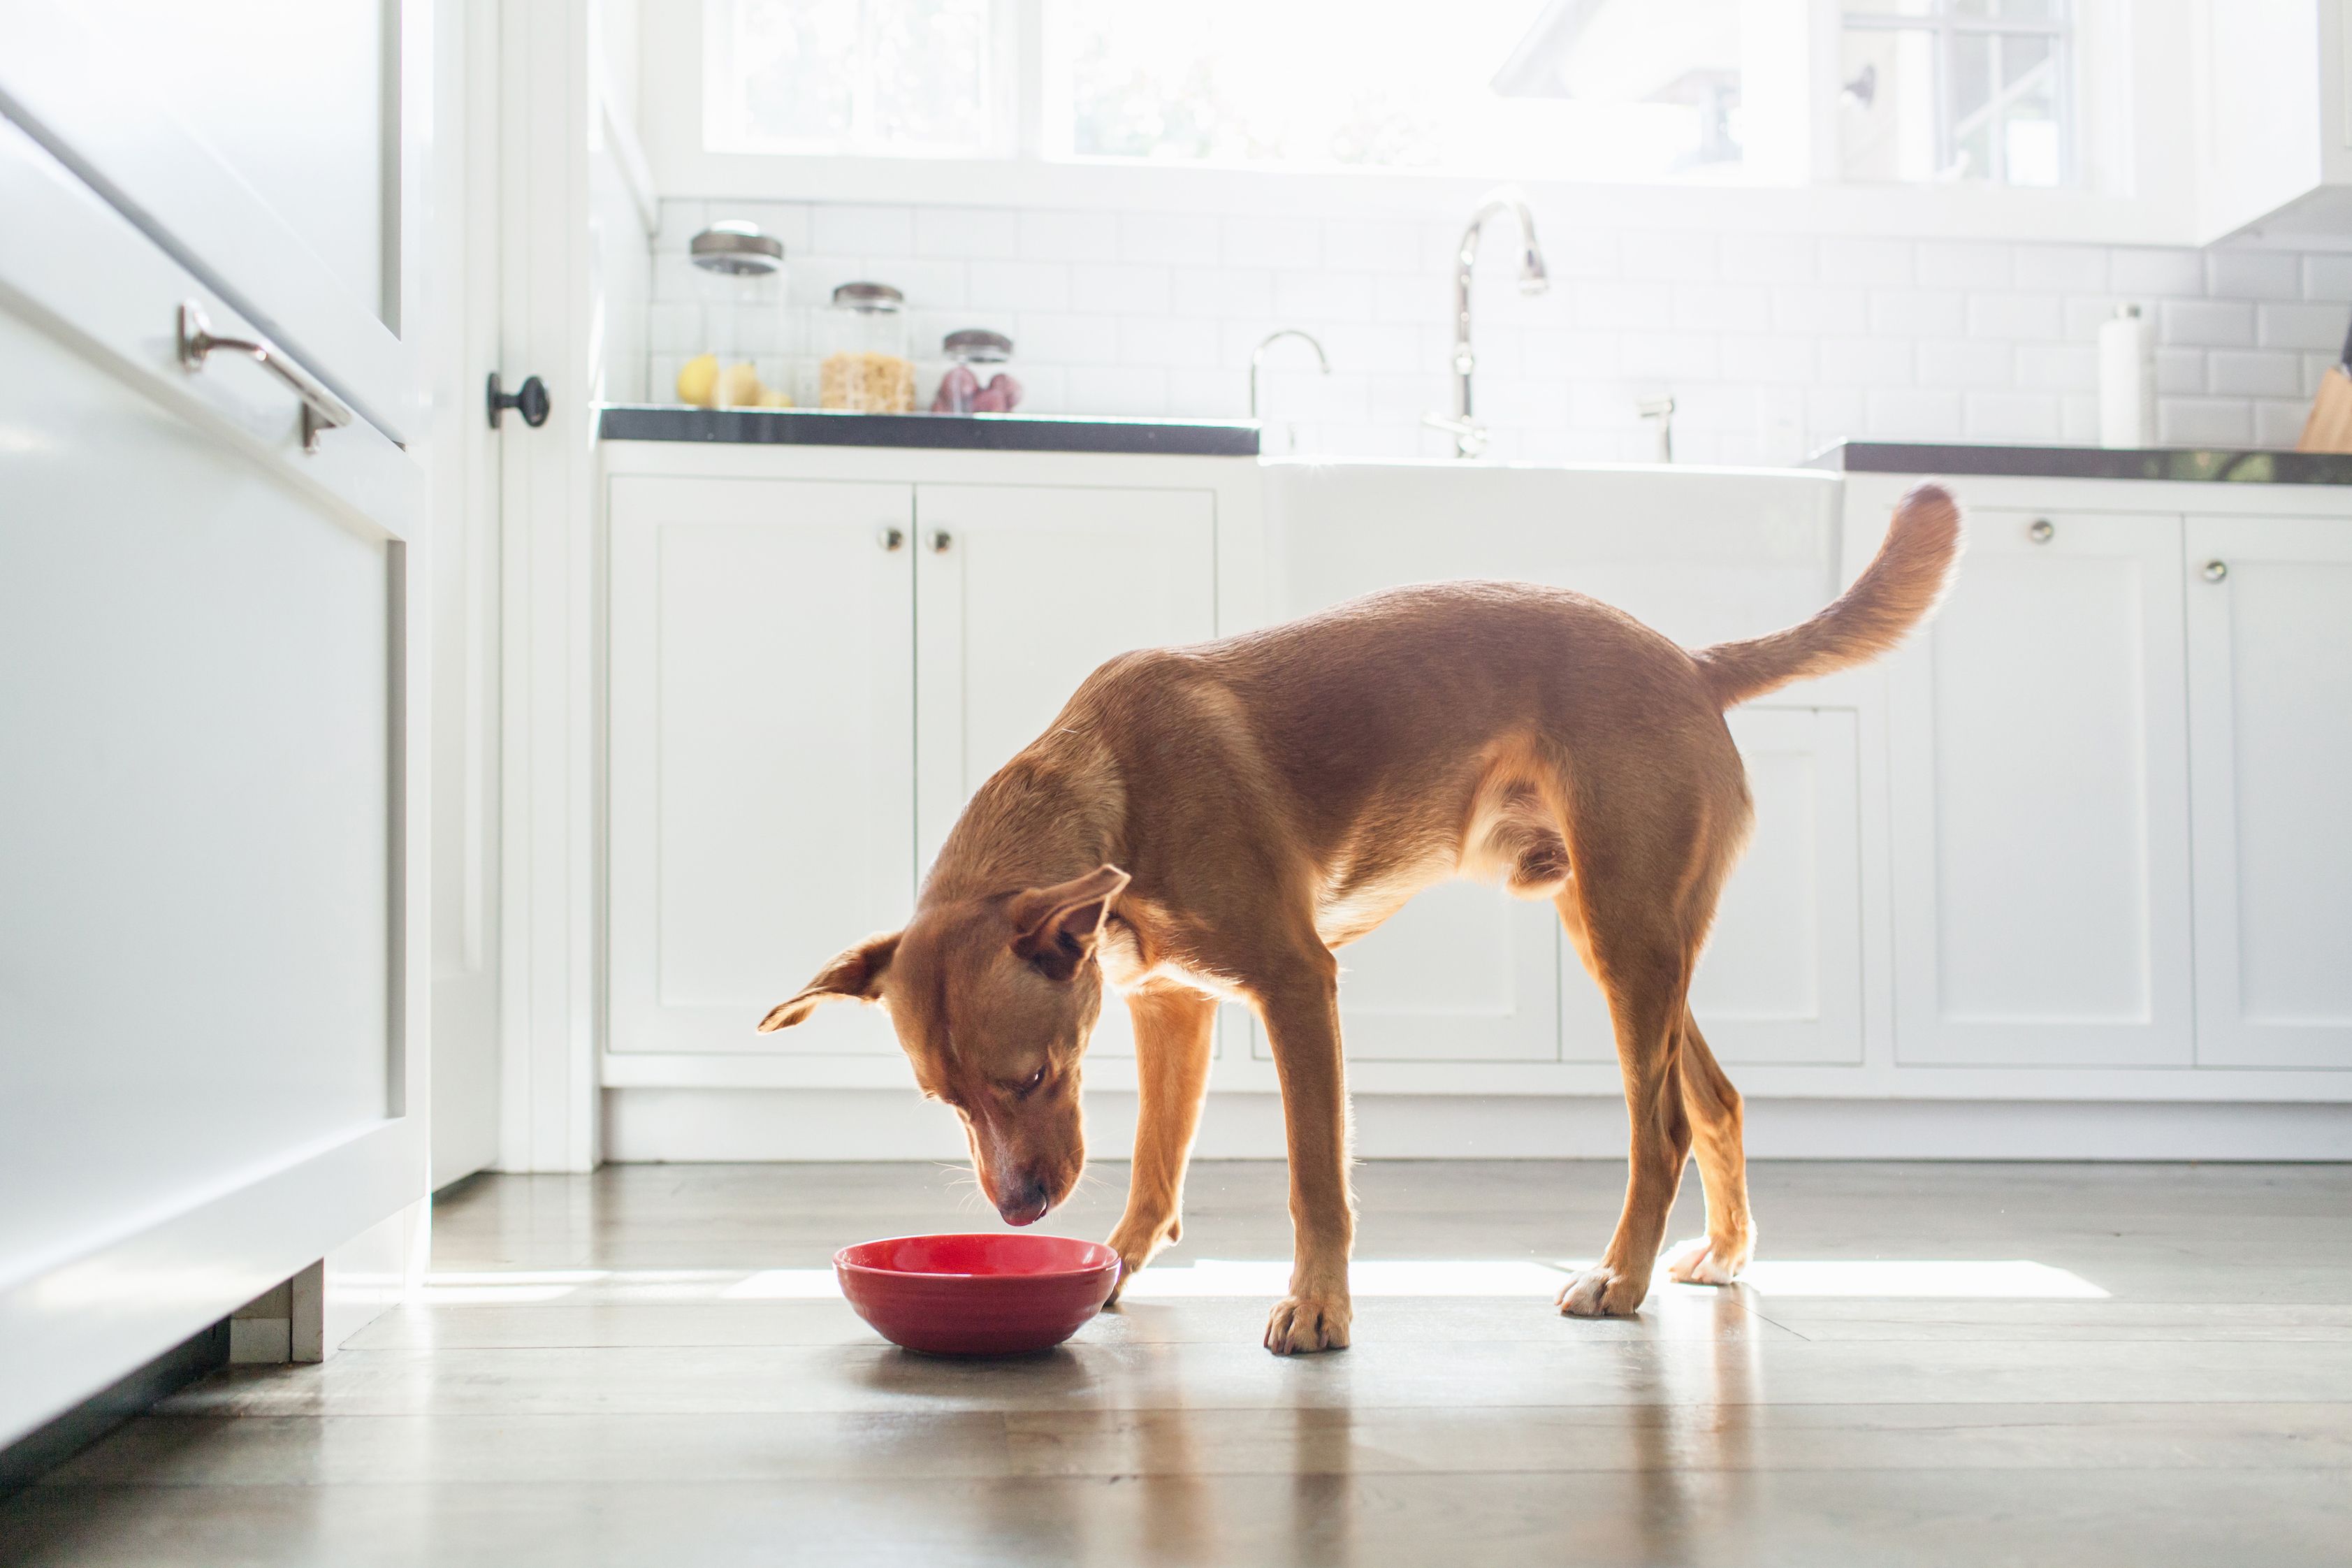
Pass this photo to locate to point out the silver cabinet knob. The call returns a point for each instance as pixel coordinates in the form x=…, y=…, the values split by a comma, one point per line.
x=891, y=539
x=940, y=540
x=2042, y=530
x=2216, y=570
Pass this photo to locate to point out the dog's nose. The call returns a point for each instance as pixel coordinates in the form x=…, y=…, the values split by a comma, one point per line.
x=1024, y=1204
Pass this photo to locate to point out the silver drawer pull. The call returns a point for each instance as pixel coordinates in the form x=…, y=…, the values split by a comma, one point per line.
x=2042, y=532
x=2216, y=570
x=942, y=541
x=322, y=409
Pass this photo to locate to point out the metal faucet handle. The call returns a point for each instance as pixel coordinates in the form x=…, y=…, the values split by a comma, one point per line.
x=1469, y=435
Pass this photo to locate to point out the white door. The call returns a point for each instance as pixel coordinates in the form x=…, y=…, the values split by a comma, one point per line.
x=2269, y=719
x=1021, y=593
x=462, y=337
x=2038, y=771
x=762, y=753
x=213, y=691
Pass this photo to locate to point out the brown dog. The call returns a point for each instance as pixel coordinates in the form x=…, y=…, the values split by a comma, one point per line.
x=1210, y=822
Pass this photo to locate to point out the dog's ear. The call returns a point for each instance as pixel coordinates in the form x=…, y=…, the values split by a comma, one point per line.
x=1056, y=928
x=856, y=974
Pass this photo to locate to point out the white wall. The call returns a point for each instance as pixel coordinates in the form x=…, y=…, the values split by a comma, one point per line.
x=1771, y=343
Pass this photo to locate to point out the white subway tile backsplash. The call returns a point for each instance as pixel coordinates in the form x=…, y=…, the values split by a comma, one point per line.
x=1118, y=389
x=2279, y=424
x=1966, y=264
x=1170, y=341
x=1817, y=310
x=1371, y=245
x=2252, y=275
x=1310, y=297
x=2060, y=269
x=1069, y=237
x=2303, y=326
x=1845, y=258
x=2203, y=422
x=968, y=234
x=844, y=230
x=2327, y=278
x=1772, y=259
x=1061, y=338
x=2016, y=316
x=2057, y=367
x=1107, y=285
x=1864, y=362
x=1169, y=239
x=1913, y=414
x=1677, y=256
x=2136, y=273
x=1019, y=284
x=1966, y=363
x=1722, y=306
x=1269, y=241
x=2214, y=323
x=1222, y=292
x=1772, y=343
x=1918, y=313
x=2239, y=373
x=2010, y=416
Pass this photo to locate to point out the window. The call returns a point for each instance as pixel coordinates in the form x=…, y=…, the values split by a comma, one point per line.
x=1590, y=90
x=847, y=76
x=1956, y=89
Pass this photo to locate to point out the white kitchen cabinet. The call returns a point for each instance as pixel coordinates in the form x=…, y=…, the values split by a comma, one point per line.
x=2039, y=768
x=2270, y=721
x=1021, y=590
x=2274, y=147
x=762, y=752
x=214, y=722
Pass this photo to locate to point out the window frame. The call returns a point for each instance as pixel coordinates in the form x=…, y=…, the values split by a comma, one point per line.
x=2133, y=155
x=1949, y=27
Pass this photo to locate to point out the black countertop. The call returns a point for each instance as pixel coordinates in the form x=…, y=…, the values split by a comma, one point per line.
x=963, y=432
x=2086, y=462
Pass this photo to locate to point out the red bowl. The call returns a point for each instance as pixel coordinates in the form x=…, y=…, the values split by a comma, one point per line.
x=991, y=1294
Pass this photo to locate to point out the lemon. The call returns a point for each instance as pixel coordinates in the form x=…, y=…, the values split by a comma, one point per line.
x=739, y=386
x=697, y=380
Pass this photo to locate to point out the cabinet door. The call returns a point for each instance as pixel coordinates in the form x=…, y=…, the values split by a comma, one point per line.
x=762, y=730
x=1021, y=592
x=2269, y=719
x=2038, y=770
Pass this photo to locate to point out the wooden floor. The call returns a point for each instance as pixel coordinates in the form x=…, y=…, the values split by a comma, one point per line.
x=1964, y=1364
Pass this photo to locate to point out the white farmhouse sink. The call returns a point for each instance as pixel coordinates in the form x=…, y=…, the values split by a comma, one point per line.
x=1703, y=554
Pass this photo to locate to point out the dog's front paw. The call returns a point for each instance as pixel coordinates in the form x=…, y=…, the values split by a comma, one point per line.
x=1601, y=1291
x=1305, y=1323
x=1703, y=1262
x=1135, y=1245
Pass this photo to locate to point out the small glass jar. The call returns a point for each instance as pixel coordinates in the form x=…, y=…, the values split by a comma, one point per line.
x=863, y=360
x=739, y=276
x=979, y=379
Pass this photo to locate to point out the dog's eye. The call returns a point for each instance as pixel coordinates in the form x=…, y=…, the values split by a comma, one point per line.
x=1035, y=1081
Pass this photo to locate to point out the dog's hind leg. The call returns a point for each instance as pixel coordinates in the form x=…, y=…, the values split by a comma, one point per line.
x=1713, y=1107
x=1173, y=1037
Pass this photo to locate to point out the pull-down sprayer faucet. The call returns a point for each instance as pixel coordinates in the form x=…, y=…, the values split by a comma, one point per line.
x=1469, y=435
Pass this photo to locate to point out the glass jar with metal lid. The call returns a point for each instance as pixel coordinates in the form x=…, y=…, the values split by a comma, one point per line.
x=978, y=379
x=863, y=358
x=739, y=276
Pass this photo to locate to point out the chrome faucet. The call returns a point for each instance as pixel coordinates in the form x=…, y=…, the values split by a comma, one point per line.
x=1469, y=435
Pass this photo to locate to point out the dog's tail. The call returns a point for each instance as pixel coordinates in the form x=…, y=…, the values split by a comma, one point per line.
x=1898, y=589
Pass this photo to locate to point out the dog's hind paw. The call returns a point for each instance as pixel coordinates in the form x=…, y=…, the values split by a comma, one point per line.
x=1601, y=1292
x=1305, y=1323
x=1700, y=1262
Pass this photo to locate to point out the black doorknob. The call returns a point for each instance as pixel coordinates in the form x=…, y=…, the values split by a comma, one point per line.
x=529, y=400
